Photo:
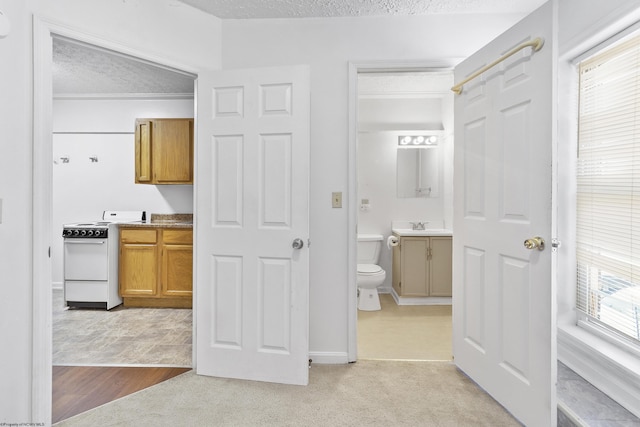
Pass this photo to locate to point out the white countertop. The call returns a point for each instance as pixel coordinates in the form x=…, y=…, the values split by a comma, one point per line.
x=407, y=232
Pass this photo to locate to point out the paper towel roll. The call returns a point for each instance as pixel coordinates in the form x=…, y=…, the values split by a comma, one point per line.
x=392, y=241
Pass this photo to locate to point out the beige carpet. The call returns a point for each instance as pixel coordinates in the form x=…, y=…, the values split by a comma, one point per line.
x=366, y=393
x=407, y=332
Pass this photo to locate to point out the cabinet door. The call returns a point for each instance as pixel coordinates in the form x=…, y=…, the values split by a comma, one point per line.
x=138, y=269
x=177, y=270
x=143, y=151
x=173, y=151
x=396, y=275
x=441, y=267
x=415, y=267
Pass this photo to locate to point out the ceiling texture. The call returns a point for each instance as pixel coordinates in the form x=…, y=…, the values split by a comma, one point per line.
x=85, y=70
x=268, y=9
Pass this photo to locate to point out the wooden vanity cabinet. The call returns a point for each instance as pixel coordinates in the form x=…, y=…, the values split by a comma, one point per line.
x=422, y=266
x=156, y=267
x=164, y=151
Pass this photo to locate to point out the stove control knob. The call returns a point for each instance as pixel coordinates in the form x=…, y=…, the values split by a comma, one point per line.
x=90, y=233
x=76, y=232
x=83, y=233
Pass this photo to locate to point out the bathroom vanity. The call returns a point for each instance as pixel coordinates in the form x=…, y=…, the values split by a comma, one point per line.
x=422, y=263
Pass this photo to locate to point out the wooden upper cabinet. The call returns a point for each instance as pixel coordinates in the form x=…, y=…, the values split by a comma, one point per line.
x=164, y=151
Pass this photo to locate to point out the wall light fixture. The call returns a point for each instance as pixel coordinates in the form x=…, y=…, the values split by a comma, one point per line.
x=417, y=140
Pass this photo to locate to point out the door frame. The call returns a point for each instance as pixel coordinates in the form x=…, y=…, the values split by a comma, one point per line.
x=356, y=68
x=42, y=155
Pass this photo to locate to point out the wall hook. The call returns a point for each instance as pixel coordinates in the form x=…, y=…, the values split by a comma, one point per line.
x=94, y=159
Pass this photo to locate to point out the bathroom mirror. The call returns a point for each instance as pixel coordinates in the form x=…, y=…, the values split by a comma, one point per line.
x=417, y=172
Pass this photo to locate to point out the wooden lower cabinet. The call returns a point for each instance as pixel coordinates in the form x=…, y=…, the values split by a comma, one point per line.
x=422, y=267
x=156, y=267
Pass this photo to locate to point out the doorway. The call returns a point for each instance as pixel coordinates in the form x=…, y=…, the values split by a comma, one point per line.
x=43, y=227
x=391, y=102
x=97, y=95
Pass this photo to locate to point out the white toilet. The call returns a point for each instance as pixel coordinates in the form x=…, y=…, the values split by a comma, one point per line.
x=370, y=275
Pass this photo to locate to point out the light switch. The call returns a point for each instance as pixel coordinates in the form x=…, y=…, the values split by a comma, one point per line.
x=336, y=199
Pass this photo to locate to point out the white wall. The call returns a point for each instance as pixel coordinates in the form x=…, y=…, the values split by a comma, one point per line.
x=328, y=45
x=141, y=25
x=83, y=189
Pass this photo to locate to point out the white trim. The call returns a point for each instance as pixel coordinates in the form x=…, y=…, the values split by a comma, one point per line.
x=41, y=356
x=420, y=300
x=329, y=358
x=572, y=416
x=352, y=226
x=129, y=96
x=610, y=369
x=42, y=345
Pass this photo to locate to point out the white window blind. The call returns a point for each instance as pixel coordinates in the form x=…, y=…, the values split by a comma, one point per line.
x=608, y=188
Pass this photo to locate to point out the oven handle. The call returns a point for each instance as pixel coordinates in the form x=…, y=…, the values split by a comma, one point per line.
x=85, y=242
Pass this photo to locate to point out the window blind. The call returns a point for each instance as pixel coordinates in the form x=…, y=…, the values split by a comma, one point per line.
x=608, y=188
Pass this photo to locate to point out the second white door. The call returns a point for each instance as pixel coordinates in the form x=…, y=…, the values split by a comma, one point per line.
x=252, y=224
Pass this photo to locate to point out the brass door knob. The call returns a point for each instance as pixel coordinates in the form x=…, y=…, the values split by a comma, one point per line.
x=534, y=243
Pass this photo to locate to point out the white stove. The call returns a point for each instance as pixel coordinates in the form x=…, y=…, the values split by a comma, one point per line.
x=90, y=260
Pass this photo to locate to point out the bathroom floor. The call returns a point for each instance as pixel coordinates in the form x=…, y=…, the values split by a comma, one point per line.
x=407, y=332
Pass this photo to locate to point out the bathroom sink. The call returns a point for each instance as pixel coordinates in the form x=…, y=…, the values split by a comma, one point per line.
x=404, y=232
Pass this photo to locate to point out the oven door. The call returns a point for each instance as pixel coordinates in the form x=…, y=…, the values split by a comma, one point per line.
x=86, y=259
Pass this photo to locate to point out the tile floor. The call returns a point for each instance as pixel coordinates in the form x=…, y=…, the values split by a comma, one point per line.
x=587, y=405
x=406, y=332
x=121, y=336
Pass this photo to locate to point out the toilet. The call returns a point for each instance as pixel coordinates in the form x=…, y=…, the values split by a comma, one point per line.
x=370, y=275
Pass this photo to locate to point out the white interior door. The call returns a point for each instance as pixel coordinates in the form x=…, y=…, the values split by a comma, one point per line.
x=252, y=183
x=503, y=296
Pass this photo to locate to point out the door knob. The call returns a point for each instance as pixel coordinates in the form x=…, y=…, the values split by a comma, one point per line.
x=534, y=243
x=297, y=244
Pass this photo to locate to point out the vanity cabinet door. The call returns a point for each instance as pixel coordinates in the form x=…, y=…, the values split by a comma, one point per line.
x=441, y=267
x=415, y=267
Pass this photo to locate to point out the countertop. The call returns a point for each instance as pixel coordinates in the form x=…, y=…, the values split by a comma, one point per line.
x=427, y=232
x=164, y=221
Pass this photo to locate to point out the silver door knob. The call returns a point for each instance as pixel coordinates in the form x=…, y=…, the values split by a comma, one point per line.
x=534, y=243
x=297, y=244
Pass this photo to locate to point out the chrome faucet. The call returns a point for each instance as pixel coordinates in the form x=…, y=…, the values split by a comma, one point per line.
x=418, y=225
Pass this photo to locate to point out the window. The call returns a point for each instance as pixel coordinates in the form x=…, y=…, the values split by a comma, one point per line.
x=608, y=189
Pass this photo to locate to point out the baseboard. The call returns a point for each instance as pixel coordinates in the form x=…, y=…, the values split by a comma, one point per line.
x=420, y=300
x=608, y=368
x=329, y=358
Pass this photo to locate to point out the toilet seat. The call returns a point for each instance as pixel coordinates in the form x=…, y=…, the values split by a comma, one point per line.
x=368, y=269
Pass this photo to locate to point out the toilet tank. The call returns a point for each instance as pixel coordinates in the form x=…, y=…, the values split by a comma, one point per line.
x=369, y=246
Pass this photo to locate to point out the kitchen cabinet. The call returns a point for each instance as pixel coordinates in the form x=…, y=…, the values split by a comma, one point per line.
x=422, y=266
x=156, y=266
x=164, y=151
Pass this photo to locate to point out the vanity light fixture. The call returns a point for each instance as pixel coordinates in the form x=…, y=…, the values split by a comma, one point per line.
x=418, y=140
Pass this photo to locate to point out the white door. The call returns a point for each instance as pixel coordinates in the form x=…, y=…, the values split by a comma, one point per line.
x=252, y=182
x=503, y=296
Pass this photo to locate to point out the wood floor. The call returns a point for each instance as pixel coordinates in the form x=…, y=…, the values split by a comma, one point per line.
x=77, y=389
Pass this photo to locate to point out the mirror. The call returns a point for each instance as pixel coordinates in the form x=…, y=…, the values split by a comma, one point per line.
x=417, y=172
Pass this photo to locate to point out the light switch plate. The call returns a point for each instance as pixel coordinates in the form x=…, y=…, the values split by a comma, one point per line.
x=336, y=199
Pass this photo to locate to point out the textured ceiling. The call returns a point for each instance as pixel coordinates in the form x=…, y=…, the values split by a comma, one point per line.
x=259, y=9
x=80, y=69
x=87, y=70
